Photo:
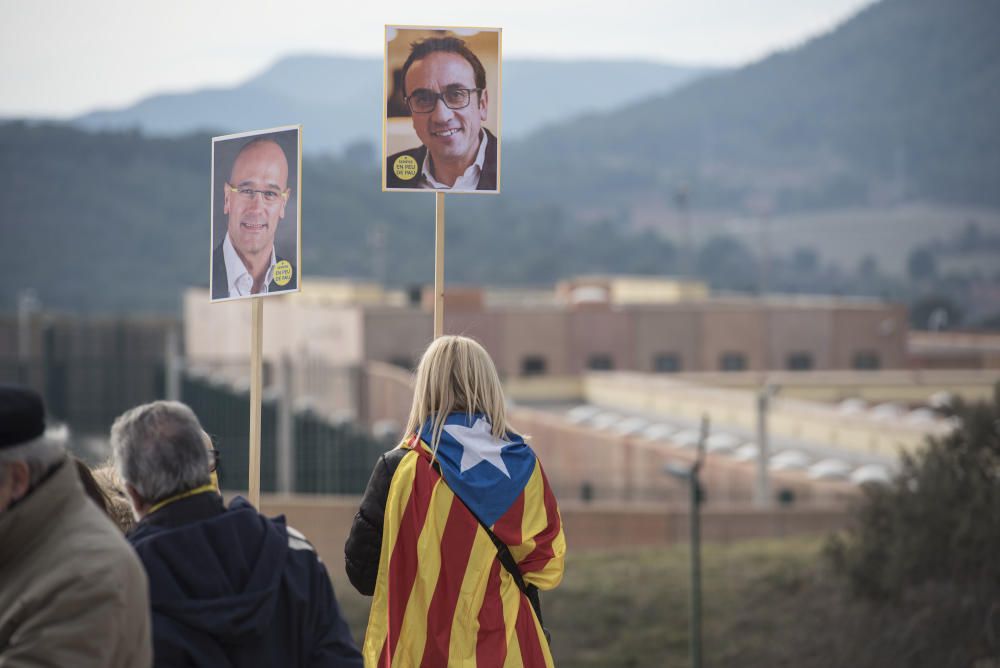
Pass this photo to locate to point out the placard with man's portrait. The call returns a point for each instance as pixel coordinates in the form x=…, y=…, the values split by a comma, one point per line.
x=256, y=199
x=441, y=130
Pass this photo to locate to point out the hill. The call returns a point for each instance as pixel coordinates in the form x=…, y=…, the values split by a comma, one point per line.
x=895, y=107
x=338, y=99
x=116, y=221
x=897, y=104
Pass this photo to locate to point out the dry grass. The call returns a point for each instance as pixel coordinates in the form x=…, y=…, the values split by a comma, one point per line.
x=630, y=608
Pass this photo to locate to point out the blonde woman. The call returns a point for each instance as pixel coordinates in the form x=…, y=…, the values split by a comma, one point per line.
x=458, y=527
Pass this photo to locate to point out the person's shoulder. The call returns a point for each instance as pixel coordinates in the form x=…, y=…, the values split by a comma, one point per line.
x=303, y=558
x=297, y=541
x=394, y=456
x=101, y=552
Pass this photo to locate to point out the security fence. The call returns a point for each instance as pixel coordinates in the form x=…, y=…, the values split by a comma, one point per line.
x=314, y=454
x=91, y=370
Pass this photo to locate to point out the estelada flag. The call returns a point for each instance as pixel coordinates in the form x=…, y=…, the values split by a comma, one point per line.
x=442, y=597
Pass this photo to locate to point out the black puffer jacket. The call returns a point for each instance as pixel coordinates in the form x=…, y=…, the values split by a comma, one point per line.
x=364, y=544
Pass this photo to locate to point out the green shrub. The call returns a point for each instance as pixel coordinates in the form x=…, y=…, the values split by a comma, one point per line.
x=925, y=550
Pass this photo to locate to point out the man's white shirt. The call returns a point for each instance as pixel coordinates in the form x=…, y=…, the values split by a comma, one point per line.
x=469, y=180
x=240, y=280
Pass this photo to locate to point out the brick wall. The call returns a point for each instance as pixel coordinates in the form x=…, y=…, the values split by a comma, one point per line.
x=326, y=521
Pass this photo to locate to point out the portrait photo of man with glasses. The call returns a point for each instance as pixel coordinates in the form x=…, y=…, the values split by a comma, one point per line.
x=255, y=222
x=442, y=109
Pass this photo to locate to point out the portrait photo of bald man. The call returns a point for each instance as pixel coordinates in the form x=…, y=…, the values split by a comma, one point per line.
x=255, y=213
x=442, y=110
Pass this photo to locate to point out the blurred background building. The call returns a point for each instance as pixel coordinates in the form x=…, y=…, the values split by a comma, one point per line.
x=611, y=375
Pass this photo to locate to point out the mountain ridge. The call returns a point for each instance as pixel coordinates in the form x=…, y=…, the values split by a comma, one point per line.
x=299, y=90
x=892, y=105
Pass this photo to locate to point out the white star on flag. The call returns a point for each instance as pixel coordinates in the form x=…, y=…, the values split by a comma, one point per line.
x=478, y=445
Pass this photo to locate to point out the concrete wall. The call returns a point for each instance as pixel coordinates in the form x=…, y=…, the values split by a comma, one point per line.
x=532, y=332
x=882, y=331
x=296, y=327
x=736, y=329
x=604, y=465
x=392, y=334
x=326, y=521
x=389, y=394
x=600, y=330
x=907, y=386
x=954, y=350
x=658, y=331
x=583, y=462
x=800, y=331
x=788, y=417
x=566, y=337
x=484, y=326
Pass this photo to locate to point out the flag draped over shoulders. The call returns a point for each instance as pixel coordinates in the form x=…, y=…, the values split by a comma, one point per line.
x=442, y=598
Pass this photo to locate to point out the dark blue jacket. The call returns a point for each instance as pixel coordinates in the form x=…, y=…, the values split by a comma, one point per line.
x=230, y=587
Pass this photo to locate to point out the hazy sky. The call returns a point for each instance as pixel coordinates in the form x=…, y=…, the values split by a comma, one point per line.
x=63, y=57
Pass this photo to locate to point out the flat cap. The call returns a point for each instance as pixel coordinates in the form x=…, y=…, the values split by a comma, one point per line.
x=22, y=415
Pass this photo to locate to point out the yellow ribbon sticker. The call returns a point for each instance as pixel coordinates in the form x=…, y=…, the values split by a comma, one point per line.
x=405, y=167
x=283, y=272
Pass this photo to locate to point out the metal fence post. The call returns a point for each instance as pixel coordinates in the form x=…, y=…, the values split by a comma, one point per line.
x=285, y=459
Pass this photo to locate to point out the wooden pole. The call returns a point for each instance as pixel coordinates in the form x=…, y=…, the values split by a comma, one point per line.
x=256, y=381
x=438, y=264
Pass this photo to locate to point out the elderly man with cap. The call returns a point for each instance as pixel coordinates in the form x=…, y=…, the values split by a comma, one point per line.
x=72, y=591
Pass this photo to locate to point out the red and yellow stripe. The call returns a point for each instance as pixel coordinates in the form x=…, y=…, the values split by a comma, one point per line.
x=442, y=597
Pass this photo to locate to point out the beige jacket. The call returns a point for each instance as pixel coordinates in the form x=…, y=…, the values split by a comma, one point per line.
x=72, y=591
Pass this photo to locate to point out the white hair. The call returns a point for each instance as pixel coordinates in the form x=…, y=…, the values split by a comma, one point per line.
x=158, y=448
x=39, y=454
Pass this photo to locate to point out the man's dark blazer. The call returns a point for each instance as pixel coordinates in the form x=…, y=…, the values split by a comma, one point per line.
x=487, y=179
x=220, y=280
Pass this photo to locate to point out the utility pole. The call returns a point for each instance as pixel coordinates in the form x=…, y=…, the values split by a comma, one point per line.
x=27, y=305
x=682, y=199
x=697, y=497
x=762, y=490
x=377, y=241
x=285, y=461
x=174, y=365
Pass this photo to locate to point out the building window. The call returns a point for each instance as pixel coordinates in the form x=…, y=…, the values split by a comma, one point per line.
x=600, y=362
x=667, y=363
x=799, y=362
x=733, y=361
x=533, y=365
x=867, y=360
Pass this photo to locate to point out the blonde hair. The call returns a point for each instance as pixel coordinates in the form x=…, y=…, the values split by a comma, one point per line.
x=119, y=507
x=456, y=375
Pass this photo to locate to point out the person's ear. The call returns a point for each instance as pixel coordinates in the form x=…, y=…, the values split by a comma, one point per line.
x=226, y=194
x=20, y=479
x=139, y=505
x=483, y=105
x=284, y=203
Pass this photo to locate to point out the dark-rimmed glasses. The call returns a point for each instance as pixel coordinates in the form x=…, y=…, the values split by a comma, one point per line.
x=423, y=101
x=250, y=193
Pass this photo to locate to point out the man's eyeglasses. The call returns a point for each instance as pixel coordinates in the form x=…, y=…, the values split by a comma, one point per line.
x=423, y=101
x=250, y=193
